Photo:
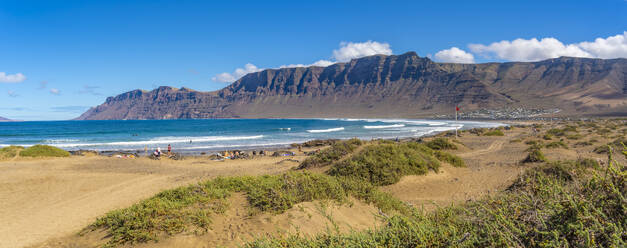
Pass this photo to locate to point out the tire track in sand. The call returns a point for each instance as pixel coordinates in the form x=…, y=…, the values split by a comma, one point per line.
x=495, y=146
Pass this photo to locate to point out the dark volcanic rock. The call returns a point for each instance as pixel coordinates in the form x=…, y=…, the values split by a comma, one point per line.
x=388, y=86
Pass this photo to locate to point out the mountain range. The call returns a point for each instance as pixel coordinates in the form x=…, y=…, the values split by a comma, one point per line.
x=394, y=86
x=4, y=119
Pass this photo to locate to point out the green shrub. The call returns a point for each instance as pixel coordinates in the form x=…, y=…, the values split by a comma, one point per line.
x=441, y=144
x=574, y=136
x=44, y=151
x=10, y=151
x=617, y=145
x=385, y=164
x=583, y=143
x=556, y=132
x=587, y=163
x=556, y=144
x=515, y=141
x=547, y=136
x=327, y=156
x=477, y=131
x=570, y=128
x=495, y=132
x=603, y=131
x=534, y=144
x=534, y=156
x=450, y=158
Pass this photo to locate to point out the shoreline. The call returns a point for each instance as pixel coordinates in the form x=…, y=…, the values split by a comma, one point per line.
x=221, y=139
x=269, y=148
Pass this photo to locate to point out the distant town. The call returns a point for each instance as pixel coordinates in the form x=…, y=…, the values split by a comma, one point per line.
x=503, y=114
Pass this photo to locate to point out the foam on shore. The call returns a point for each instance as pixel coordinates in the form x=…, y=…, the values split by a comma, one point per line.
x=326, y=130
x=384, y=126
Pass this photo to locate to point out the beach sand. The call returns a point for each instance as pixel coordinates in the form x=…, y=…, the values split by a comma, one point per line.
x=45, y=202
x=42, y=199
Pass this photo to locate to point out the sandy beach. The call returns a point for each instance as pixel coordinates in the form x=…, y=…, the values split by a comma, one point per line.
x=40, y=199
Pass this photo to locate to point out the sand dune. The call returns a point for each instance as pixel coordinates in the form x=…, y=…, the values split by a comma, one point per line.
x=43, y=199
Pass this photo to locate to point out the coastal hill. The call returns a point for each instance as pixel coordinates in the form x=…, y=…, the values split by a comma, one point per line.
x=381, y=86
x=4, y=119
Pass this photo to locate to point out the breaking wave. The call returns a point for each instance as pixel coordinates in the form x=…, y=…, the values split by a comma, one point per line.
x=326, y=130
x=384, y=126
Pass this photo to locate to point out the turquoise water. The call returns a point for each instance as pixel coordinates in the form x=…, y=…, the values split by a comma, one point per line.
x=213, y=134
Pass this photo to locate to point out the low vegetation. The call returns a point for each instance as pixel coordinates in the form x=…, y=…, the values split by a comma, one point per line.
x=189, y=209
x=583, y=143
x=535, y=155
x=327, y=156
x=556, y=144
x=534, y=144
x=441, y=144
x=453, y=160
x=317, y=142
x=574, y=136
x=559, y=132
x=495, y=132
x=385, y=164
x=559, y=204
x=44, y=151
x=617, y=145
x=10, y=151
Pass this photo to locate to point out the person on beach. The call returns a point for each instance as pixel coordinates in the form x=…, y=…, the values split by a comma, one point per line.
x=169, y=149
x=157, y=152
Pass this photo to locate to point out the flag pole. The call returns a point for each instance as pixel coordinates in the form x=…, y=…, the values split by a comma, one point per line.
x=456, y=110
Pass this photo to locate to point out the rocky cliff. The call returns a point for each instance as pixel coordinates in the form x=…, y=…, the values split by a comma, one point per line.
x=389, y=86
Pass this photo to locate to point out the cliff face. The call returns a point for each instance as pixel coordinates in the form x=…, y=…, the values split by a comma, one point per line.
x=388, y=86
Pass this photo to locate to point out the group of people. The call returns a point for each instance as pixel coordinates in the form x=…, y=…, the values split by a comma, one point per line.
x=236, y=154
x=240, y=154
x=158, y=152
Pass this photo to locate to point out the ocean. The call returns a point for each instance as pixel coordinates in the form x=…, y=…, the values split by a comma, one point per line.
x=189, y=136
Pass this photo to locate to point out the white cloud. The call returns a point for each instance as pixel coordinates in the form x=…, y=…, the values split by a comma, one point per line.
x=455, y=55
x=321, y=63
x=346, y=52
x=54, y=91
x=610, y=48
x=226, y=77
x=12, y=93
x=350, y=50
x=11, y=78
x=545, y=48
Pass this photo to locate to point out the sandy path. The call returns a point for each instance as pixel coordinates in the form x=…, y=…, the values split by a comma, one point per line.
x=452, y=185
x=45, y=199
x=495, y=146
x=491, y=166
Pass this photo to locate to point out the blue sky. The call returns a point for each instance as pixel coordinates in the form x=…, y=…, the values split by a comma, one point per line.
x=60, y=57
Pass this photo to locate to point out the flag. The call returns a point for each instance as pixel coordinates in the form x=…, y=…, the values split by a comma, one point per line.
x=456, y=108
